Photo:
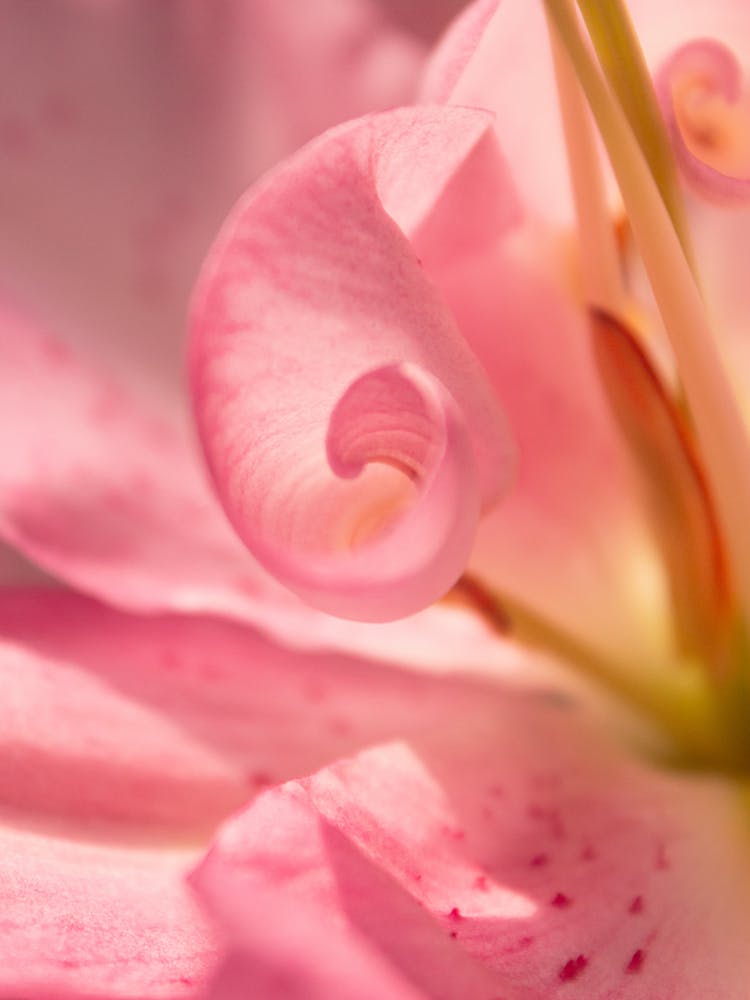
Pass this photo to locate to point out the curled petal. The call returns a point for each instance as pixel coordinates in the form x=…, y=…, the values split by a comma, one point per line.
x=316, y=335
x=701, y=93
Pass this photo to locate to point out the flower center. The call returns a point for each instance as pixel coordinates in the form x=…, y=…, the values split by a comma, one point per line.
x=694, y=450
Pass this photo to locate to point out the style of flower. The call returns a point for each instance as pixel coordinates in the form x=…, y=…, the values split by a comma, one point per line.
x=422, y=362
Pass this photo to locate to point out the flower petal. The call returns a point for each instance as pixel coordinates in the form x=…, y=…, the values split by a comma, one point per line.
x=496, y=56
x=165, y=724
x=123, y=740
x=570, y=540
x=117, y=506
x=517, y=853
x=97, y=920
x=309, y=299
x=127, y=131
x=700, y=92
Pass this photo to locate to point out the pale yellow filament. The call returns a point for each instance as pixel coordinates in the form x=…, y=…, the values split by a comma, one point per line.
x=602, y=277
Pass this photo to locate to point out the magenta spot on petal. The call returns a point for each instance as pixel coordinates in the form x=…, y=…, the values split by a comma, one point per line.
x=588, y=853
x=561, y=900
x=455, y=913
x=520, y=945
x=573, y=968
x=539, y=861
x=636, y=905
x=416, y=876
x=480, y=882
x=454, y=934
x=259, y=779
x=636, y=961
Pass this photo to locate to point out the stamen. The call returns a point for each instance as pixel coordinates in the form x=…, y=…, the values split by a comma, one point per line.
x=674, y=490
x=678, y=702
x=602, y=277
x=719, y=425
x=624, y=65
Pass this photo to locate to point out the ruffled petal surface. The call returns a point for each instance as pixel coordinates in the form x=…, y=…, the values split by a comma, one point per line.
x=167, y=723
x=123, y=741
x=516, y=854
x=351, y=436
x=117, y=505
x=98, y=921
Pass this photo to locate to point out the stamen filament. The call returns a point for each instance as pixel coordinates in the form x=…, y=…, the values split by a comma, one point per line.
x=719, y=425
x=624, y=66
x=602, y=277
x=679, y=703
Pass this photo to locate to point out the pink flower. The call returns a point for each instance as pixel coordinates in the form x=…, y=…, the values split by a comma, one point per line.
x=416, y=359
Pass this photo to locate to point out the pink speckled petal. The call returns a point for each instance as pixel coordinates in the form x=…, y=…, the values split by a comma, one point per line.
x=518, y=854
x=87, y=918
x=168, y=723
x=700, y=90
x=123, y=741
x=314, y=320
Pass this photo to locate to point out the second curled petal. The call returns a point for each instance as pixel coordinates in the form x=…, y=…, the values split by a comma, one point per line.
x=350, y=432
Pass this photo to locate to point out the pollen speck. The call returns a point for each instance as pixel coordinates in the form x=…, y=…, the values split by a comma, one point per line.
x=561, y=900
x=636, y=961
x=636, y=905
x=573, y=968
